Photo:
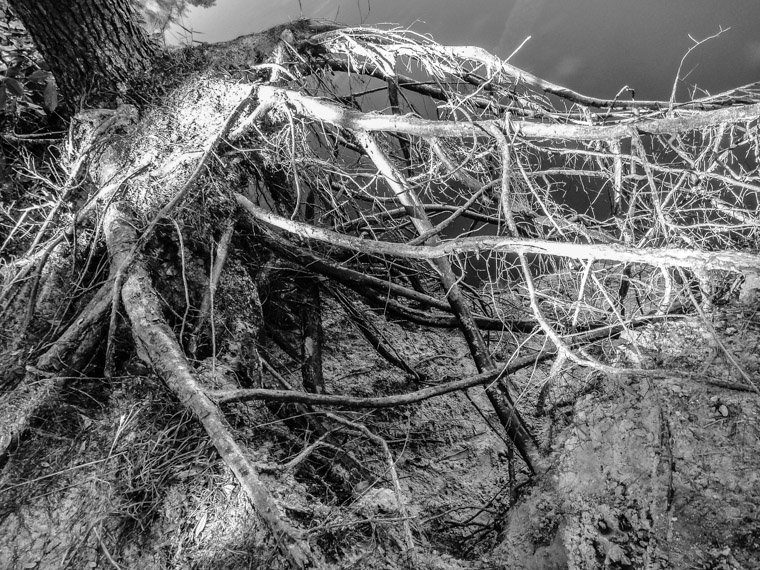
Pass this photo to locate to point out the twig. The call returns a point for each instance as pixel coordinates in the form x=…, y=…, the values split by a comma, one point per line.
x=303, y=454
x=105, y=549
x=697, y=43
x=57, y=473
x=715, y=336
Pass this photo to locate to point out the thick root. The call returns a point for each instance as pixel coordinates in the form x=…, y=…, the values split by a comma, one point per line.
x=164, y=353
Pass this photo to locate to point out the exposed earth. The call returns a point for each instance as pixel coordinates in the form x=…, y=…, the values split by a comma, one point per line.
x=657, y=472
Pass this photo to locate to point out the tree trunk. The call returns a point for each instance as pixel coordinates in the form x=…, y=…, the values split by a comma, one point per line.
x=90, y=45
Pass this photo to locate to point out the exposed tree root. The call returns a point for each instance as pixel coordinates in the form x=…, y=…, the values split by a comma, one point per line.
x=437, y=320
x=377, y=291
x=737, y=261
x=66, y=358
x=376, y=203
x=242, y=395
x=164, y=353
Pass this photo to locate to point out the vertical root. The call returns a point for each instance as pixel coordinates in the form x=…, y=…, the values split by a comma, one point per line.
x=165, y=355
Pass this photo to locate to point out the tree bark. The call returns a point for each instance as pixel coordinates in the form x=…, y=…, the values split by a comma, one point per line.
x=90, y=45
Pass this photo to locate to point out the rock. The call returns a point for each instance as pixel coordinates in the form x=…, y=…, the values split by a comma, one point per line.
x=750, y=293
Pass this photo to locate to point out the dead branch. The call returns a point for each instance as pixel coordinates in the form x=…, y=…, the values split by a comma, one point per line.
x=409, y=125
x=737, y=261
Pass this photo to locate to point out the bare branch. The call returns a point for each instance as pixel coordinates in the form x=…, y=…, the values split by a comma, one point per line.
x=734, y=261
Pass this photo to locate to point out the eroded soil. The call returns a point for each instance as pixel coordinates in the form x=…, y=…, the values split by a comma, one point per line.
x=647, y=472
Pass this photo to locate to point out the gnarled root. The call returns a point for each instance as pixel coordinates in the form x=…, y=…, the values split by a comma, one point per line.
x=162, y=349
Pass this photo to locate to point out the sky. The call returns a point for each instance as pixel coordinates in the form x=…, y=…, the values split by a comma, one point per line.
x=593, y=46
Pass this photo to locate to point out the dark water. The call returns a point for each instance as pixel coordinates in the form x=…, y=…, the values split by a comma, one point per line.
x=593, y=46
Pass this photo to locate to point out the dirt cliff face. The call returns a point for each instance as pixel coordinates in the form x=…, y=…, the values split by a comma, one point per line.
x=655, y=472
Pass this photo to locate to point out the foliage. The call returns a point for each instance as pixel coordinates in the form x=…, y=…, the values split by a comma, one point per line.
x=28, y=92
x=159, y=14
